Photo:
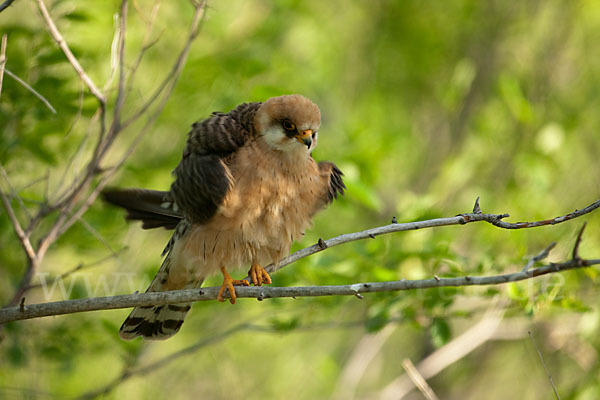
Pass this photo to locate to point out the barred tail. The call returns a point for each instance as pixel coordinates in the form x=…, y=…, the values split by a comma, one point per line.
x=156, y=322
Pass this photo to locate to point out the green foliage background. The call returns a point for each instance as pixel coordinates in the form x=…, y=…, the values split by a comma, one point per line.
x=426, y=106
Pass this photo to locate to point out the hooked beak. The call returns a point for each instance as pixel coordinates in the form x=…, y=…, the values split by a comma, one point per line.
x=305, y=137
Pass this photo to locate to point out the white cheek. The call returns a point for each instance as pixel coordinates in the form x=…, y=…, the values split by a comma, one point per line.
x=277, y=140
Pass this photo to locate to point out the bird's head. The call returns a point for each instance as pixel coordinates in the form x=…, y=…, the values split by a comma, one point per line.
x=289, y=123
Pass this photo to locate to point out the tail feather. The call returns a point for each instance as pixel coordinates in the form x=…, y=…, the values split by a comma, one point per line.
x=154, y=322
x=157, y=322
x=152, y=207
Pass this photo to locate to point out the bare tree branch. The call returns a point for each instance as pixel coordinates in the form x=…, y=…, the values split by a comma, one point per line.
x=56, y=35
x=260, y=293
x=194, y=30
x=74, y=202
x=494, y=219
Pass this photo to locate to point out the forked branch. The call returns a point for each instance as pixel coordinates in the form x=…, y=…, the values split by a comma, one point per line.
x=260, y=293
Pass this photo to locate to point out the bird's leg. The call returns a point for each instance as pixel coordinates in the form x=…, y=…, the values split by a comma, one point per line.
x=229, y=283
x=259, y=275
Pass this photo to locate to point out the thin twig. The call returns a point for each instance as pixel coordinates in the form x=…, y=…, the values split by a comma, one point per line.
x=578, y=242
x=56, y=35
x=146, y=44
x=78, y=114
x=476, y=207
x=14, y=193
x=552, y=221
x=96, y=234
x=60, y=196
x=23, y=238
x=177, y=67
x=69, y=167
x=32, y=90
x=76, y=188
x=539, y=257
x=545, y=366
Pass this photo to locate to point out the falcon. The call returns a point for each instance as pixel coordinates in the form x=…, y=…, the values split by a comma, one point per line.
x=245, y=189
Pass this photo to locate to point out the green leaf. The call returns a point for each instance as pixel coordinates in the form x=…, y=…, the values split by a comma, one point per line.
x=440, y=332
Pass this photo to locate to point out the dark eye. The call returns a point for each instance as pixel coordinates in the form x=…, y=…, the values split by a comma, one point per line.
x=288, y=125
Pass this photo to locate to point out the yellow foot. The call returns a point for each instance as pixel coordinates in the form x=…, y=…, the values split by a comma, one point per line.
x=259, y=275
x=229, y=283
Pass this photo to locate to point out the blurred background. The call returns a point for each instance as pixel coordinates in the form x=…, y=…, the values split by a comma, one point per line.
x=426, y=105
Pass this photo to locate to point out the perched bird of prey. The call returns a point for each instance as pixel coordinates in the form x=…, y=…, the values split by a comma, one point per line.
x=244, y=190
